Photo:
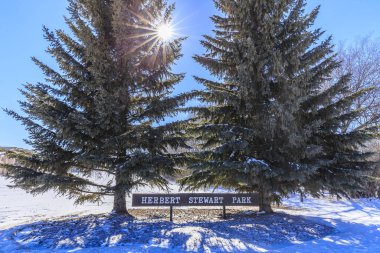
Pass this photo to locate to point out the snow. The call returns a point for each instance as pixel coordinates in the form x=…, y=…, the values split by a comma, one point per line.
x=18, y=207
x=255, y=161
x=49, y=223
x=357, y=224
x=103, y=231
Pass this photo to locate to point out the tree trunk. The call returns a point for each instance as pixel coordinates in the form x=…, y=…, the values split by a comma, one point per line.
x=265, y=202
x=119, y=202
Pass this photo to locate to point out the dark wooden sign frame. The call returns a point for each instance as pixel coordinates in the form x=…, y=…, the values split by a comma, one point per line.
x=195, y=199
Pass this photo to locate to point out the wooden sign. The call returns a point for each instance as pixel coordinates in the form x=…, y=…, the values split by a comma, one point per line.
x=195, y=199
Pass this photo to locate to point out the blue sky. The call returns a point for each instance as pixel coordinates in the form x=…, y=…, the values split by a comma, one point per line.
x=21, y=37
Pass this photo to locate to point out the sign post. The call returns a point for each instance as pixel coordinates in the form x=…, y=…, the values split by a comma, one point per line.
x=195, y=199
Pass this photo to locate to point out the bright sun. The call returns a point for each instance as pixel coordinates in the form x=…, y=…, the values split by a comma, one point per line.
x=165, y=32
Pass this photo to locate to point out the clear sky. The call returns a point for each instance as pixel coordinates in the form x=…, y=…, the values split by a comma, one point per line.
x=21, y=37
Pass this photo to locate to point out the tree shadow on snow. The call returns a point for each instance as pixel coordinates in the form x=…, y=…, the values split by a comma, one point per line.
x=348, y=236
x=240, y=233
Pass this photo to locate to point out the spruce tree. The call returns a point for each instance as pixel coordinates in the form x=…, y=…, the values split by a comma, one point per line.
x=267, y=124
x=96, y=125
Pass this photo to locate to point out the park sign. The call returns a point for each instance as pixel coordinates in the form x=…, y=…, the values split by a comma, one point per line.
x=195, y=199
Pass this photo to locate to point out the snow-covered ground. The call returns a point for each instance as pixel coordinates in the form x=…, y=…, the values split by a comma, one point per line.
x=324, y=225
x=18, y=207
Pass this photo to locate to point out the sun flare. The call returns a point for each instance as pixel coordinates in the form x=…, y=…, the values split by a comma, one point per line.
x=165, y=32
x=156, y=34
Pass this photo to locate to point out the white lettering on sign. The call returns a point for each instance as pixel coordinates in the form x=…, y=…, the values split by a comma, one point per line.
x=196, y=200
x=160, y=200
x=241, y=200
x=206, y=200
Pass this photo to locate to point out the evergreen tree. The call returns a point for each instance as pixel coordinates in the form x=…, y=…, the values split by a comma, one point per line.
x=268, y=125
x=96, y=125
